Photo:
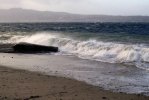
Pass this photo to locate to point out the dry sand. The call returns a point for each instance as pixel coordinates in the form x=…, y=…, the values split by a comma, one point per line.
x=25, y=85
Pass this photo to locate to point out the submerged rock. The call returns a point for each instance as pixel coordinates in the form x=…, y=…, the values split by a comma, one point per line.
x=24, y=47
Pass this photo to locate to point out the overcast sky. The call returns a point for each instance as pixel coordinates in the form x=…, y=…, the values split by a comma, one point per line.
x=108, y=7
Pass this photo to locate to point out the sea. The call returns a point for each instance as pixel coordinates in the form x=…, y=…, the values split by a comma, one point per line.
x=114, y=56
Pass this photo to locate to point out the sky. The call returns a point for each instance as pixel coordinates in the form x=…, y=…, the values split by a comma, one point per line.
x=106, y=7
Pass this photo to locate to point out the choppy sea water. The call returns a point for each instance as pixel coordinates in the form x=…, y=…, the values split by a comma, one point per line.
x=125, y=44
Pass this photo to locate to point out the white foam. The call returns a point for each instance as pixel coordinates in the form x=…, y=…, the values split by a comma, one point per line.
x=92, y=49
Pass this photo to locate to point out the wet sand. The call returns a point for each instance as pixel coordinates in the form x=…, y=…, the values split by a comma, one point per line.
x=25, y=85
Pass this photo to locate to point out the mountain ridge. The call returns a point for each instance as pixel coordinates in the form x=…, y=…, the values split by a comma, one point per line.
x=27, y=15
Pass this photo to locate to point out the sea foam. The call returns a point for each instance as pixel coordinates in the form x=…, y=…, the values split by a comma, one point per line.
x=136, y=54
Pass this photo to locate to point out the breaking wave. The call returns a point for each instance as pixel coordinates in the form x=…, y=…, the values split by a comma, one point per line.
x=92, y=49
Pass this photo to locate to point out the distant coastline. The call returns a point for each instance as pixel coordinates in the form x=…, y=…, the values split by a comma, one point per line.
x=19, y=15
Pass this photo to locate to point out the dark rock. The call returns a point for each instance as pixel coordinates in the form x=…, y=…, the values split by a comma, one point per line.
x=32, y=97
x=104, y=97
x=33, y=48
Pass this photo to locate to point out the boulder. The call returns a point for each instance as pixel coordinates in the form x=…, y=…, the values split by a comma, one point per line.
x=24, y=47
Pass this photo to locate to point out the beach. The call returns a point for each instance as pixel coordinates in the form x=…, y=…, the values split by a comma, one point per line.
x=43, y=70
x=94, y=61
x=25, y=85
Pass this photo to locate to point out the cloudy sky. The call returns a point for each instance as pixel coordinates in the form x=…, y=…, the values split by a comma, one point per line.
x=108, y=7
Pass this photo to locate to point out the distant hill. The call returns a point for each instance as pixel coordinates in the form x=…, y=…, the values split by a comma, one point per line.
x=25, y=15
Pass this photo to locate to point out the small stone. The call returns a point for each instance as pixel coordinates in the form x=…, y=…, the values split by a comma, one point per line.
x=104, y=97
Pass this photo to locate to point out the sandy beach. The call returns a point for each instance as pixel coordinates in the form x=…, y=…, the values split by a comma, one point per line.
x=25, y=85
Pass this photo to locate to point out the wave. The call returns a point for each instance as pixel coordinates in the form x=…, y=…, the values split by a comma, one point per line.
x=92, y=49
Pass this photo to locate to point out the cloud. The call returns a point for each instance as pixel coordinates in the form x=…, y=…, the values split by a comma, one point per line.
x=114, y=7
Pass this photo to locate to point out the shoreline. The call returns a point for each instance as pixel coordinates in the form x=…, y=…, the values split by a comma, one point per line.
x=111, y=77
x=18, y=84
